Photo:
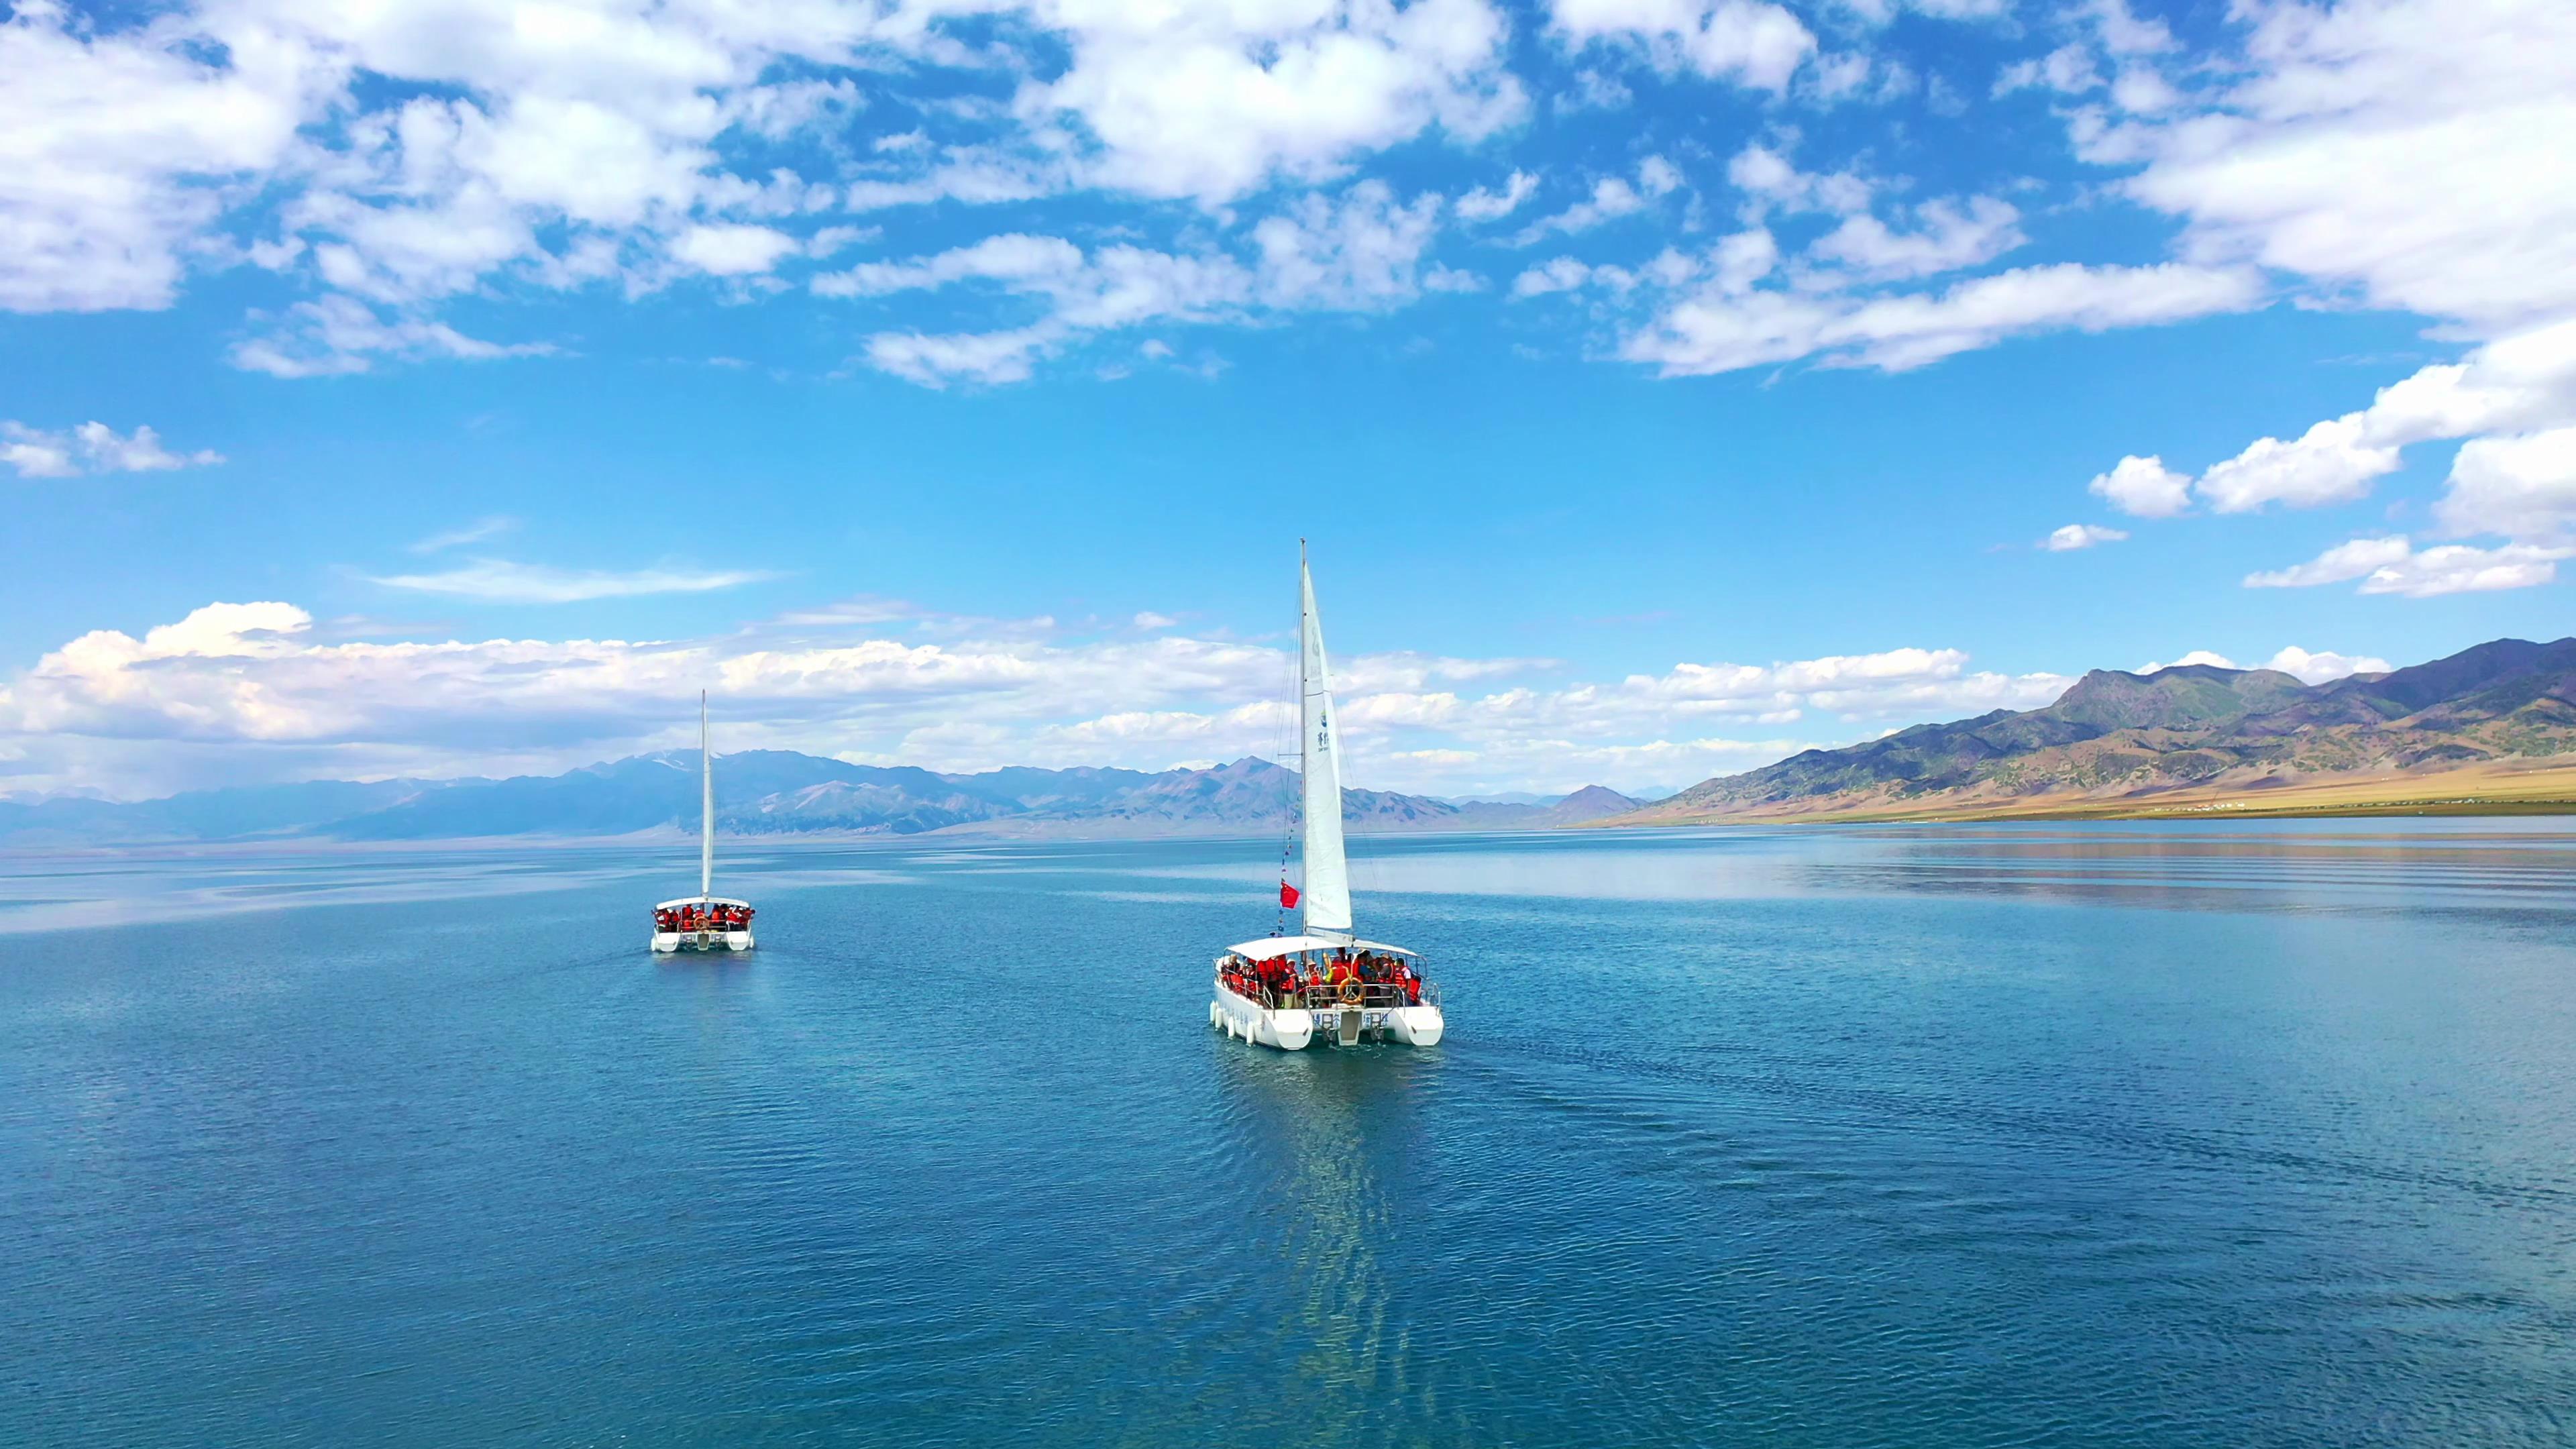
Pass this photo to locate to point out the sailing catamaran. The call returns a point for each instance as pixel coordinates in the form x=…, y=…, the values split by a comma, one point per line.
x=705, y=921
x=1286, y=990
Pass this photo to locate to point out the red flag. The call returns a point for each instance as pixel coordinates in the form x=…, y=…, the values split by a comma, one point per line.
x=1287, y=896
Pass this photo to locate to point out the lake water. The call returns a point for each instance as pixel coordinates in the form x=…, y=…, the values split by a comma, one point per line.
x=2231, y=1134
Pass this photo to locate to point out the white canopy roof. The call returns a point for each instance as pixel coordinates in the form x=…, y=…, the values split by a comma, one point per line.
x=702, y=901
x=1273, y=946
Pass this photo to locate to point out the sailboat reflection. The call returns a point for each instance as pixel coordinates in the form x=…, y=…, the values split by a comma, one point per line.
x=1338, y=1143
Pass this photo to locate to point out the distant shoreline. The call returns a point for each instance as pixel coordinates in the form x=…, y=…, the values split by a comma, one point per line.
x=2485, y=789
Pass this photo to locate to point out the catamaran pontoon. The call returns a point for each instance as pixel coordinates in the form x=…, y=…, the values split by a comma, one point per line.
x=1286, y=990
x=705, y=921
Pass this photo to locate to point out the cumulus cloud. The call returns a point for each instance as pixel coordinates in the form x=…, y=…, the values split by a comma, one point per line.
x=2323, y=665
x=1494, y=203
x=1208, y=102
x=2330, y=463
x=2068, y=70
x=399, y=155
x=2513, y=398
x=92, y=448
x=1611, y=197
x=2404, y=154
x=2393, y=565
x=130, y=715
x=116, y=149
x=2408, y=149
x=1749, y=42
x=2519, y=485
x=2308, y=667
x=2144, y=488
x=2209, y=657
x=1942, y=236
x=1361, y=250
x=2080, y=535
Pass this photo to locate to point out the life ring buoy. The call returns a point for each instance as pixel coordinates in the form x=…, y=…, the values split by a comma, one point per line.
x=1351, y=993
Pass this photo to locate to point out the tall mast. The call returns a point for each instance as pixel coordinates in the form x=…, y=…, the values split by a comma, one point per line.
x=706, y=806
x=1327, y=900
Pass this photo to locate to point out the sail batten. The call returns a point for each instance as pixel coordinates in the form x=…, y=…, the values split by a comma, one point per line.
x=1327, y=899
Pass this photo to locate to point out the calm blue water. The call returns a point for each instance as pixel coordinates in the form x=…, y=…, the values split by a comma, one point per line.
x=2234, y=1134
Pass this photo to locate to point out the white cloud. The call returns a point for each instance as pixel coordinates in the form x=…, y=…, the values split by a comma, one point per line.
x=1750, y=42
x=2067, y=70
x=1008, y=257
x=2143, y=488
x=340, y=334
x=2308, y=668
x=2330, y=463
x=2208, y=657
x=395, y=156
x=92, y=448
x=1611, y=197
x=134, y=715
x=1772, y=181
x=2080, y=535
x=988, y=358
x=1359, y=251
x=1151, y=620
x=1714, y=332
x=2411, y=150
x=1946, y=237
x=116, y=149
x=2521, y=486
x=2319, y=667
x=2125, y=33
x=2518, y=391
x=2344, y=561
x=2394, y=566
x=730, y=249
x=499, y=581
x=1490, y=204
x=1210, y=101
x=1560, y=274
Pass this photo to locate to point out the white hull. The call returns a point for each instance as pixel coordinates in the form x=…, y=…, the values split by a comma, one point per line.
x=1294, y=1029
x=701, y=940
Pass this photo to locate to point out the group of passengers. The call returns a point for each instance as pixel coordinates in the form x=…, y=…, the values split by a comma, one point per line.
x=710, y=917
x=1275, y=981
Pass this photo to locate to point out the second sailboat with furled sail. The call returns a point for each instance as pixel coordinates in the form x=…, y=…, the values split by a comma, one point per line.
x=1287, y=991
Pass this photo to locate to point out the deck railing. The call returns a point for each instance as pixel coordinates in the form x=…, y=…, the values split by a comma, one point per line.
x=1373, y=996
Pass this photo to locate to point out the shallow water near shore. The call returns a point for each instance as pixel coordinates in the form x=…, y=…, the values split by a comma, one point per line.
x=2218, y=1134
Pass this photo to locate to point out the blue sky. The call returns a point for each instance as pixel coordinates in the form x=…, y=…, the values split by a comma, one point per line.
x=1665, y=385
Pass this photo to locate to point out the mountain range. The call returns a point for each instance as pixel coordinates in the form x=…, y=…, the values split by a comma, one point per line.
x=2198, y=736
x=2493, y=727
x=768, y=792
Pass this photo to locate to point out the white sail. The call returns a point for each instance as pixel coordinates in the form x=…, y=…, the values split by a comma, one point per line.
x=706, y=805
x=1327, y=899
